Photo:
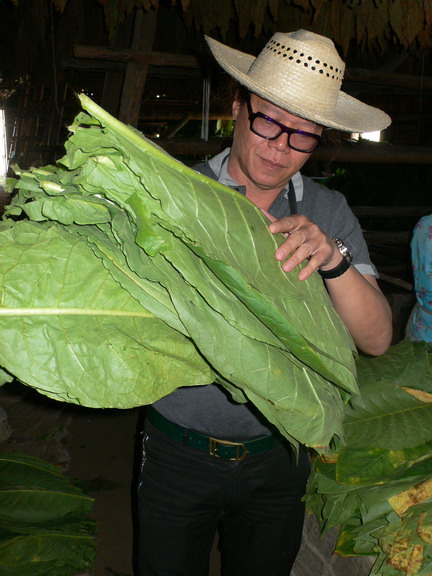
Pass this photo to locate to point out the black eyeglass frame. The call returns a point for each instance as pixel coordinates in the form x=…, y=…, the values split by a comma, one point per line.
x=283, y=130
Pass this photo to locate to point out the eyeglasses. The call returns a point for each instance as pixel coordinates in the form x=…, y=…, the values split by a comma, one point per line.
x=270, y=129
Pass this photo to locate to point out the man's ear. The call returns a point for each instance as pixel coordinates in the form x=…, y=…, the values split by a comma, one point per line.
x=236, y=107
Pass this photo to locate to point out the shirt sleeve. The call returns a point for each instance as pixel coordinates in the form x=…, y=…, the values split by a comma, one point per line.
x=329, y=209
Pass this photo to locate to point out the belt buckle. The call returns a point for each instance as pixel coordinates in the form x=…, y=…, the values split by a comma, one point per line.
x=241, y=450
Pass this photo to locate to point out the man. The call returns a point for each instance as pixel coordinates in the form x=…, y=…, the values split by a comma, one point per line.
x=287, y=95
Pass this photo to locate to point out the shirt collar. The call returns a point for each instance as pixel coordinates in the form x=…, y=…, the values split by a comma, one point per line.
x=219, y=165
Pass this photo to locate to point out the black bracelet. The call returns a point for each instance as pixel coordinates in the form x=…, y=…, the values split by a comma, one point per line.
x=335, y=272
x=343, y=266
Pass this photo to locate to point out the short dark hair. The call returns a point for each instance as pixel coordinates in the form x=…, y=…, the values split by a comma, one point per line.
x=242, y=93
x=226, y=94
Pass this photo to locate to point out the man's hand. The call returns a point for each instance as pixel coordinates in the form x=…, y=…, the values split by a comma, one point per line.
x=304, y=241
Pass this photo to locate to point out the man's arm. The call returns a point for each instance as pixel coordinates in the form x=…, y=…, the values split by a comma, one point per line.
x=364, y=309
x=356, y=297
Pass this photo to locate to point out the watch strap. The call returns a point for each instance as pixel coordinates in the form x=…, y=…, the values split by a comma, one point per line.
x=337, y=271
x=342, y=267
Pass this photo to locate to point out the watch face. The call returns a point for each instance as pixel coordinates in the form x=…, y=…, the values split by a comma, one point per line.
x=343, y=250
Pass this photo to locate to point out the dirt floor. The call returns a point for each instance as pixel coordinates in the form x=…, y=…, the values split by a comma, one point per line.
x=102, y=447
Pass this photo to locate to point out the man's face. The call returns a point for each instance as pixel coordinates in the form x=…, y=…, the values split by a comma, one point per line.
x=265, y=166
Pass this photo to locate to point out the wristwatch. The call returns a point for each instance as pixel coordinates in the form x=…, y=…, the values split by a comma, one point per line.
x=343, y=266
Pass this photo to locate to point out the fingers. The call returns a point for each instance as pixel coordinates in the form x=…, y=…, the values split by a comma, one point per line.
x=305, y=242
x=302, y=254
x=278, y=228
x=283, y=225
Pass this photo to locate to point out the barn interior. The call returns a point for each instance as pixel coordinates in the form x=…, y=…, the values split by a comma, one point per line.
x=147, y=63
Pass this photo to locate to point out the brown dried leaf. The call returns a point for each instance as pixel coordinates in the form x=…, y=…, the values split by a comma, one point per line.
x=372, y=20
x=406, y=20
x=206, y=16
x=292, y=18
x=425, y=397
x=59, y=5
x=320, y=13
x=306, y=5
x=184, y=3
x=334, y=18
x=346, y=30
x=424, y=529
x=148, y=4
x=428, y=12
x=273, y=8
x=406, y=557
x=415, y=495
x=250, y=13
x=424, y=39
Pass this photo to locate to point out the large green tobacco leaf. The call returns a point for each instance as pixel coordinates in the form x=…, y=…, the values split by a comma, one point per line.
x=378, y=465
x=22, y=509
x=391, y=400
x=73, y=335
x=16, y=466
x=44, y=520
x=34, y=495
x=46, y=553
x=405, y=365
x=201, y=297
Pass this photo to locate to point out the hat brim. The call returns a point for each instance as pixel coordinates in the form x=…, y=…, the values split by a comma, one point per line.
x=349, y=115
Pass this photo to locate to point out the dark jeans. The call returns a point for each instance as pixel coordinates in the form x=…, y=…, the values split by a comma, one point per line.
x=185, y=495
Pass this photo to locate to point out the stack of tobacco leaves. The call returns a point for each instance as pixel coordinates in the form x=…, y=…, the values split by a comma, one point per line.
x=125, y=275
x=377, y=486
x=45, y=526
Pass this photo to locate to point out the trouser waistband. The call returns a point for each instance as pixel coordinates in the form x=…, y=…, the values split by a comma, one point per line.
x=224, y=449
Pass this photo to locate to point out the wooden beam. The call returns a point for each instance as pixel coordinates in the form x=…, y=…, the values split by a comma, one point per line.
x=191, y=146
x=177, y=112
x=179, y=126
x=144, y=57
x=396, y=281
x=379, y=154
x=394, y=79
x=355, y=153
x=352, y=75
x=92, y=65
x=391, y=211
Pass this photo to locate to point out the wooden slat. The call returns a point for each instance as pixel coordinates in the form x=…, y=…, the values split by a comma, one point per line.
x=379, y=154
x=391, y=211
x=137, y=57
x=383, y=238
x=395, y=79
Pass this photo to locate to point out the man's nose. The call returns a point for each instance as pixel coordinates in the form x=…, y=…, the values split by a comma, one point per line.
x=280, y=143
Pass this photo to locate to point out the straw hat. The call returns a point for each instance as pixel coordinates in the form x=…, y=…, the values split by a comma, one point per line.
x=301, y=72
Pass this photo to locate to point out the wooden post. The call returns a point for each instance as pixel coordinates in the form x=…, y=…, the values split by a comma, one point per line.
x=136, y=73
x=113, y=79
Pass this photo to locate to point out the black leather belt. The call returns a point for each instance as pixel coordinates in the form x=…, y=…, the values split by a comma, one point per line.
x=224, y=449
